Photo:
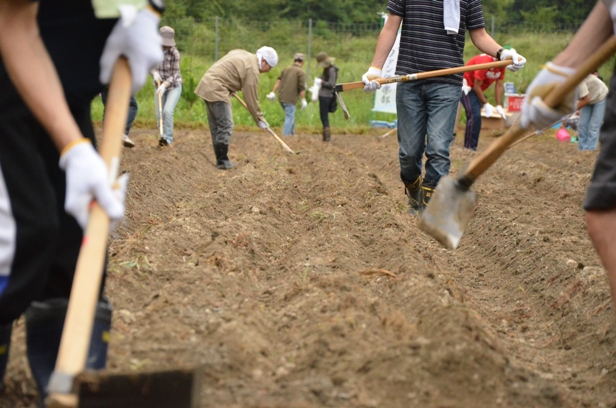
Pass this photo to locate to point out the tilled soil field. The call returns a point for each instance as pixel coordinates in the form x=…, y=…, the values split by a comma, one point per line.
x=301, y=281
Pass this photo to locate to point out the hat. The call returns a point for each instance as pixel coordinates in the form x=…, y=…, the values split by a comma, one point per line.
x=299, y=57
x=323, y=60
x=269, y=55
x=167, y=33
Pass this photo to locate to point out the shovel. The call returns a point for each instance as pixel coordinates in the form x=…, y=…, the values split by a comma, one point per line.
x=284, y=145
x=452, y=204
x=70, y=386
x=423, y=75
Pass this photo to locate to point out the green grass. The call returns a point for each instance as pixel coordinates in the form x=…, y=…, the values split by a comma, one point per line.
x=353, y=56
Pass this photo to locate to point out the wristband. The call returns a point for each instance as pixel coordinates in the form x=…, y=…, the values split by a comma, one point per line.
x=498, y=53
x=157, y=5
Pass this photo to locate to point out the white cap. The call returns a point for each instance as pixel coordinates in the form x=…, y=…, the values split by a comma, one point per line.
x=269, y=55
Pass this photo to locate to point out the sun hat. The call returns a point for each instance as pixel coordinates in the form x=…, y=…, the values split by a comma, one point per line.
x=299, y=57
x=323, y=60
x=167, y=33
x=269, y=55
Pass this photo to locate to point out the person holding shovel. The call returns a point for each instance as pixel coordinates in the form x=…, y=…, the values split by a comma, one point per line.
x=327, y=99
x=473, y=98
x=291, y=84
x=600, y=200
x=168, y=83
x=49, y=169
x=237, y=71
x=432, y=38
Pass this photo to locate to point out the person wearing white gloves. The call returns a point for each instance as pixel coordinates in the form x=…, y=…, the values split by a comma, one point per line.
x=427, y=108
x=291, y=85
x=600, y=200
x=168, y=83
x=56, y=57
x=237, y=71
x=473, y=97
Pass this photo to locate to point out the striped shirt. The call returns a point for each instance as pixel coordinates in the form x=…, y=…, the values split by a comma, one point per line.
x=169, y=69
x=424, y=43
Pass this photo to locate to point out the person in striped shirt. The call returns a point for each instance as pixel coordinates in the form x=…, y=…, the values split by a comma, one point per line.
x=432, y=37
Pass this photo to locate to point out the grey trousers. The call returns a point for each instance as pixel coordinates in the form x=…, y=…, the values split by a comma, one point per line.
x=220, y=118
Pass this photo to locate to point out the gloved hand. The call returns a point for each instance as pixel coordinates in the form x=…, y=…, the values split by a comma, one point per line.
x=318, y=81
x=465, y=88
x=156, y=76
x=534, y=110
x=518, y=60
x=304, y=103
x=163, y=87
x=87, y=178
x=136, y=37
x=271, y=96
x=501, y=111
x=369, y=79
x=489, y=110
x=263, y=124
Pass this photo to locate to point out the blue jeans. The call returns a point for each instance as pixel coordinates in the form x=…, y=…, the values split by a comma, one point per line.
x=472, y=106
x=591, y=119
x=289, y=119
x=170, y=100
x=426, y=119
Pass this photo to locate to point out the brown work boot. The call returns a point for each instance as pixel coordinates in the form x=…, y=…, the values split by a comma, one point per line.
x=413, y=192
x=326, y=135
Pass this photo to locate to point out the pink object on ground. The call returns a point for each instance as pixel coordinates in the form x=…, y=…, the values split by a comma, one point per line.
x=563, y=135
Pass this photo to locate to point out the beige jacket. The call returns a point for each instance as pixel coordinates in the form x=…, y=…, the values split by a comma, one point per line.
x=236, y=71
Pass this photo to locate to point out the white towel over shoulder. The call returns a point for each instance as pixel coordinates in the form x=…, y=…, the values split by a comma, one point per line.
x=451, y=16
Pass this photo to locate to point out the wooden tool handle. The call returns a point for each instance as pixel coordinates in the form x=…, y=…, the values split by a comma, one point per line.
x=79, y=321
x=160, y=110
x=482, y=162
x=284, y=145
x=424, y=75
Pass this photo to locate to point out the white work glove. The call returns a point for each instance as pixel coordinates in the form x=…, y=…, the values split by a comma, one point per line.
x=136, y=37
x=369, y=79
x=534, y=110
x=156, y=76
x=318, y=81
x=87, y=178
x=304, y=103
x=314, y=90
x=501, y=111
x=489, y=110
x=518, y=60
x=263, y=124
x=465, y=88
x=271, y=96
x=161, y=89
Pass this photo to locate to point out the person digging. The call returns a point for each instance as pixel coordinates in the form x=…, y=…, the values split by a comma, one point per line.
x=237, y=71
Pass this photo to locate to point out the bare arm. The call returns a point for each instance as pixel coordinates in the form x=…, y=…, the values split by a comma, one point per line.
x=479, y=92
x=32, y=71
x=276, y=85
x=484, y=41
x=386, y=40
x=583, y=102
x=597, y=28
x=499, y=91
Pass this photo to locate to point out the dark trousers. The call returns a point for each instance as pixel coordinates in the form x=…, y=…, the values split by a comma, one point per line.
x=133, y=108
x=324, y=104
x=472, y=106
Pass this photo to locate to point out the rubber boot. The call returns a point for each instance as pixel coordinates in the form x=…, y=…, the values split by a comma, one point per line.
x=44, y=324
x=5, y=345
x=413, y=192
x=326, y=135
x=222, y=158
x=426, y=193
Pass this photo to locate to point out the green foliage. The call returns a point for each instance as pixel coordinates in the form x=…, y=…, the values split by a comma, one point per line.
x=542, y=15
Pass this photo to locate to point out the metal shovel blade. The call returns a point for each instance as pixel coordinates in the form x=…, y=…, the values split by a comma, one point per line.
x=448, y=212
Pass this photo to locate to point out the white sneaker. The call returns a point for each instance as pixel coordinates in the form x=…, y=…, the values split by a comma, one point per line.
x=127, y=142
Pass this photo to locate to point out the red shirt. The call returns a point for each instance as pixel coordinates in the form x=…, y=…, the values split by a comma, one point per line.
x=486, y=75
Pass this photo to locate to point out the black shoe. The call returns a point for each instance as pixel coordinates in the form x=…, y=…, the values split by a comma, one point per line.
x=222, y=157
x=162, y=142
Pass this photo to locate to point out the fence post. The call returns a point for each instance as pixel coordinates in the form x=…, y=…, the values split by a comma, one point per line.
x=309, y=48
x=216, y=48
x=492, y=26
